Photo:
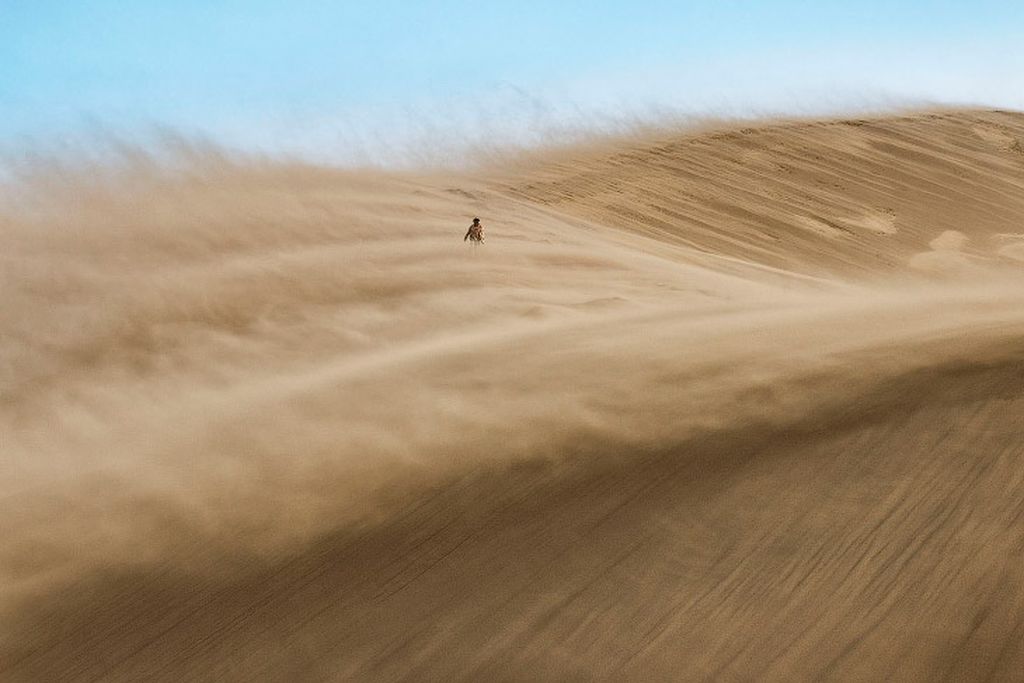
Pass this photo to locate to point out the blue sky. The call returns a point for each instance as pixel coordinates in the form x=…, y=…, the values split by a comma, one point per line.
x=315, y=76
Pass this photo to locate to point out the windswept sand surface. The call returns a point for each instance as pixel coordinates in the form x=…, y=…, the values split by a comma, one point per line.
x=739, y=404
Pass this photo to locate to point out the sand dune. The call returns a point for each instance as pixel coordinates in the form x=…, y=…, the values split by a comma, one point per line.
x=733, y=404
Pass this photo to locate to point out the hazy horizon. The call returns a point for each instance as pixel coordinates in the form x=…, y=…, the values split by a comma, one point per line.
x=354, y=82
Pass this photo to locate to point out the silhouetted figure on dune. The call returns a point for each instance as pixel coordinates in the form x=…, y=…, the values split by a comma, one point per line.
x=475, y=232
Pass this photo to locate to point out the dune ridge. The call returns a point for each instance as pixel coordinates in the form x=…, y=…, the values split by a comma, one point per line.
x=733, y=404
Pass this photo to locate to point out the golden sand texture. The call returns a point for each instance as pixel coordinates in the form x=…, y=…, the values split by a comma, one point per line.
x=739, y=404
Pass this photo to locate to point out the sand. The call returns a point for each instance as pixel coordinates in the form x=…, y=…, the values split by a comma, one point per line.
x=739, y=403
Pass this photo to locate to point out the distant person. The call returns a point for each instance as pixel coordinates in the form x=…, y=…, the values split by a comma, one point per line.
x=475, y=232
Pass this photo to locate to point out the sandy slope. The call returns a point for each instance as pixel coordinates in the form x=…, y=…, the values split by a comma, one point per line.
x=737, y=404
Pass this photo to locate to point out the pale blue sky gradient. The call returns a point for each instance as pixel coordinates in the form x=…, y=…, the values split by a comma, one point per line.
x=321, y=77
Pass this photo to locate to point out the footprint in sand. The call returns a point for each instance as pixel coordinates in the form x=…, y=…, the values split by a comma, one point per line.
x=1010, y=246
x=878, y=222
x=946, y=256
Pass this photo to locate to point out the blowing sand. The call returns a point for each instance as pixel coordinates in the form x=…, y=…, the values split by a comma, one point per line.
x=739, y=404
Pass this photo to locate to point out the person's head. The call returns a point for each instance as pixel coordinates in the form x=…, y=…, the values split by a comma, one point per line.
x=476, y=221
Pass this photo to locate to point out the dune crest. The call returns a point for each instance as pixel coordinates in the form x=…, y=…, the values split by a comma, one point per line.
x=733, y=404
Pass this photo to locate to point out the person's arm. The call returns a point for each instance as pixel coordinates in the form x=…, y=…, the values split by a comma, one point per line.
x=468, y=232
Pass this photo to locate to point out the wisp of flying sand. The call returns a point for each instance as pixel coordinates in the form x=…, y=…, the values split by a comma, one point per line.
x=741, y=403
